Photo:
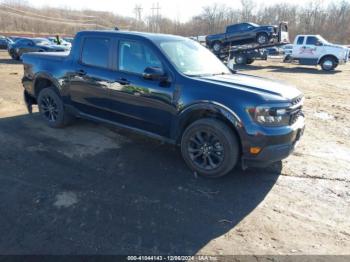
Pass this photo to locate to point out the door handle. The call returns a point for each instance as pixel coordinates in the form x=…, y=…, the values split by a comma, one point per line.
x=81, y=72
x=123, y=81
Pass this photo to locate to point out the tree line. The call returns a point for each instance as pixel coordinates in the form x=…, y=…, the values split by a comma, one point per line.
x=331, y=20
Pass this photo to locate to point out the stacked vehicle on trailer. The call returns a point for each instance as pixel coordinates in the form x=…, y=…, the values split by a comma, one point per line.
x=246, y=42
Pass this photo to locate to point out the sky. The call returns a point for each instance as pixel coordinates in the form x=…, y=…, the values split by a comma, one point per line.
x=182, y=10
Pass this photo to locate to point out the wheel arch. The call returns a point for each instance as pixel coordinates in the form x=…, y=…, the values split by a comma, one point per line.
x=43, y=80
x=327, y=55
x=209, y=109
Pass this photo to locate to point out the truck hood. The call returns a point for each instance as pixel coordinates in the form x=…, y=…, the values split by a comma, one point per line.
x=262, y=86
x=335, y=45
x=266, y=27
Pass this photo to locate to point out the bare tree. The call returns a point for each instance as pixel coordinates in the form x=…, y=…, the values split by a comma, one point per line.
x=330, y=20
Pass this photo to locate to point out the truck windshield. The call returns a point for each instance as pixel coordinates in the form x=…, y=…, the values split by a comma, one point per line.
x=324, y=41
x=41, y=41
x=192, y=59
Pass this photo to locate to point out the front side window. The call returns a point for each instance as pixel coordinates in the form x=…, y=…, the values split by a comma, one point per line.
x=41, y=41
x=192, y=59
x=96, y=52
x=300, y=40
x=135, y=57
x=311, y=40
x=243, y=27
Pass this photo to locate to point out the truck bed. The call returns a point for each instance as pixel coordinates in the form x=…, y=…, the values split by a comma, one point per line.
x=47, y=55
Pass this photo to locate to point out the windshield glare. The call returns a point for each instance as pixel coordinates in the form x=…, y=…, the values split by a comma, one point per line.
x=192, y=59
x=322, y=39
x=41, y=41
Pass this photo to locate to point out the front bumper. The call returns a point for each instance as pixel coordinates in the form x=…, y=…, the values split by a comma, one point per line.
x=275, y=147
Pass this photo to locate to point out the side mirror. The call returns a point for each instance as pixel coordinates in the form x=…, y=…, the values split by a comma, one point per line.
x=318, y=43
x=154, y=73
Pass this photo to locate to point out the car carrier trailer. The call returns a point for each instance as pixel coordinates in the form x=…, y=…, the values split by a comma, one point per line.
x=247, y=54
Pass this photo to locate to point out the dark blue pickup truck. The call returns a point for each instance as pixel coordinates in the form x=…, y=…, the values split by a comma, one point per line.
x=170, y=88
x=247, y=33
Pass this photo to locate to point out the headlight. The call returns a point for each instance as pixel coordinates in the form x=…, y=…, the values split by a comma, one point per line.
x=270, y=116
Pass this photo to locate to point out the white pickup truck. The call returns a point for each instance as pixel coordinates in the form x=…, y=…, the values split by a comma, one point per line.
x=315, y=50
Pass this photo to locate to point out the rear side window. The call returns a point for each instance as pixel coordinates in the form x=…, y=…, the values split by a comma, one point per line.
x=311, y=40
x=300, y=40
x=232, y=29
x=24, y=42
x=96, y=52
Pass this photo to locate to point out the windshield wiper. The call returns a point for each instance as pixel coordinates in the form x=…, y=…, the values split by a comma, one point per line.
x=223, y=73
x=198, y=75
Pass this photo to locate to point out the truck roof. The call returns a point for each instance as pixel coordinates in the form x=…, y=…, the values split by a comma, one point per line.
x=151, y=36
x=308, y=35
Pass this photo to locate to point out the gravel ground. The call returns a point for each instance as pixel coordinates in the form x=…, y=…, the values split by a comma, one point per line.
x=92, y=189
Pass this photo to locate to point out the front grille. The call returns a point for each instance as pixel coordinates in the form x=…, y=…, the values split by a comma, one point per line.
x=297, y=101
x=294, y=116
x=296, y=109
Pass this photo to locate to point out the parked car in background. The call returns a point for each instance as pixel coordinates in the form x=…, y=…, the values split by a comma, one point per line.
x=246, y=33
x=200, y=39
x=27, y=45
x=315, y=50
x=171, y=88
x=287, y=49
x=273, y=51
x=4, y=42
x=15, y=38
x=63, y=42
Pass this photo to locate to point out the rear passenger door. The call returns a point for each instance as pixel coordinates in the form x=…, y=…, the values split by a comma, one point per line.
x=92, y=75
x=232, y=33
x=298, y=47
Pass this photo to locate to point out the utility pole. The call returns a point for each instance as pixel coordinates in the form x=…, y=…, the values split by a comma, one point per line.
x=138, y=14
x=156, y=10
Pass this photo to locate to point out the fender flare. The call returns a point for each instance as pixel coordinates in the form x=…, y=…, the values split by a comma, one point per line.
x=214, y=107
x=47, y=76
x=320, y=59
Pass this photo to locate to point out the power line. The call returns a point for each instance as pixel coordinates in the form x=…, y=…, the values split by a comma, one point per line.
x=47, y=17
x=50, y=21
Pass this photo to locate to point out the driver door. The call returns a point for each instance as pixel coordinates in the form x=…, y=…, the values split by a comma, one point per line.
x=311, y=50
x=138, y=102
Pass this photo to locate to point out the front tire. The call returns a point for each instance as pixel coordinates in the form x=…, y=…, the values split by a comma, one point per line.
x=52, y=109
x=210, y=148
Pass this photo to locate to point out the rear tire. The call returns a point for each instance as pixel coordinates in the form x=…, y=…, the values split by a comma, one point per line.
x=52, y=109
x=250, y=61
x=287, y=59
x=241, y=59
x=210, y=148
x=14, y=55
x=217, y=46
x=262, y=39
x=328, y=63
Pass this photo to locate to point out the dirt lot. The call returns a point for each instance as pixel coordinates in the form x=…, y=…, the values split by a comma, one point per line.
x=91, y=189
